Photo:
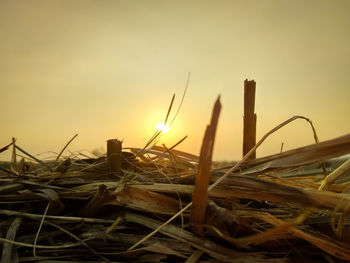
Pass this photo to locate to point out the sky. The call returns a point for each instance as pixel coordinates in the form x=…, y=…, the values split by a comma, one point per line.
x=108, y=69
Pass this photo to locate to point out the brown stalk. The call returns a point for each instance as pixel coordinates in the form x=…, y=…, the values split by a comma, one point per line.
x=114, y=156
x=200, y=193
x=249, y=118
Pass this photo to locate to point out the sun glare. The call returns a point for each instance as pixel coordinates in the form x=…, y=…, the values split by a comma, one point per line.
x=162, y=127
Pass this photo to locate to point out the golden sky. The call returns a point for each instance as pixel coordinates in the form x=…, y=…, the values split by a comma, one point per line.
x=108, y=69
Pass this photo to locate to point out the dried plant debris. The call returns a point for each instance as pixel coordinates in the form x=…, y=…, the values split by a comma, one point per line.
x=280, y=208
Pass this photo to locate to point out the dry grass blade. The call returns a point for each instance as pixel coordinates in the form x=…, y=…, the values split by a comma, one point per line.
x=79, y=240
x=169, y=110
x=21, y=244
x=40, y=226
x=247, y=156
x=182, y=98
x=157, y=133
x=5, y=148
x=259, y=190
x=189, y=156
x=63, y=218
x=213, y=249
x=33, y=157
x=153, y=138
x=7, y=249
x=8, y=171
x=195, y=256
x=69, y=142
x=331, y=246
x=331, y=178
x=144, y=200
x=303, y=156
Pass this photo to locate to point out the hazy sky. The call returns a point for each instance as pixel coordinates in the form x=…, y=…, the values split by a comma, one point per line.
x=108, y=69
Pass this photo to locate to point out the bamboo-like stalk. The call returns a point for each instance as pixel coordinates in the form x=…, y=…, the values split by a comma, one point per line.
x=249, y=119
x=114, y=156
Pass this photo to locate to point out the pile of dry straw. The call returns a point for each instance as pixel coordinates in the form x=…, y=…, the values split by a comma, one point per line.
x=134, y=205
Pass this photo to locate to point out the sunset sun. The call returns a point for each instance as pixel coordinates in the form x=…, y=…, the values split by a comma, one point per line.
x=164, y=128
